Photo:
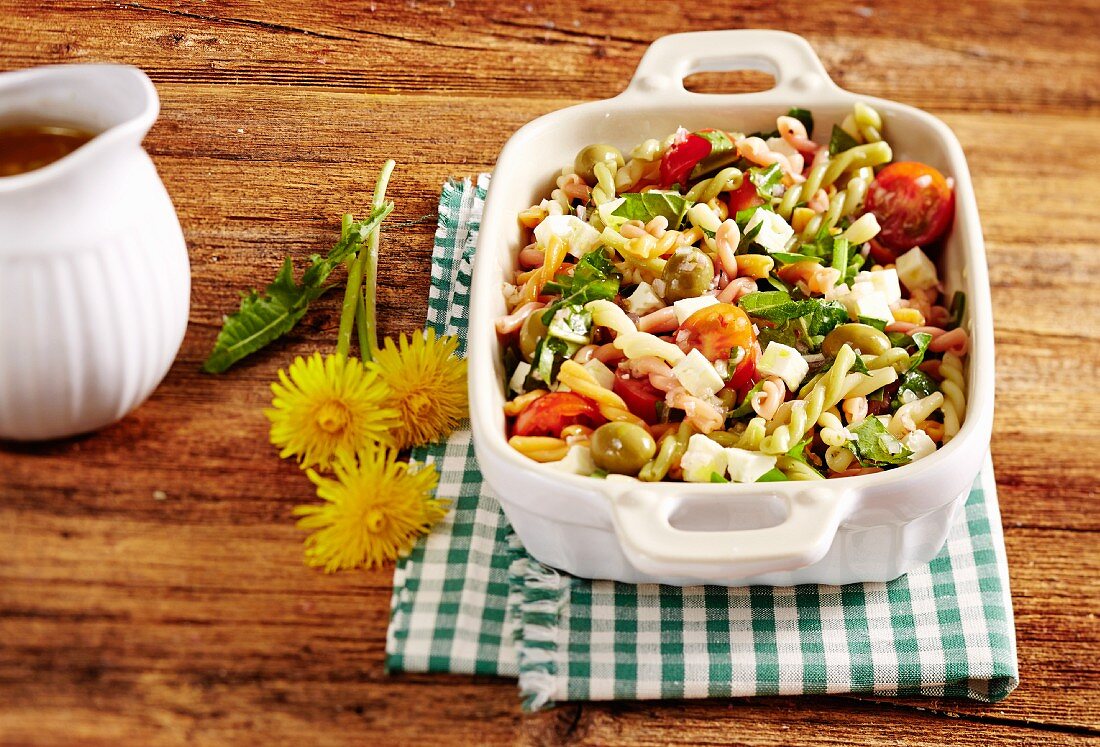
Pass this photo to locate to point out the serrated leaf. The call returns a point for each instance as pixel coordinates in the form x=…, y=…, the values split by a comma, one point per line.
x=262, y=319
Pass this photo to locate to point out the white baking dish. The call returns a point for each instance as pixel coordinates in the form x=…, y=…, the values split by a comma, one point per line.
x=867, y=528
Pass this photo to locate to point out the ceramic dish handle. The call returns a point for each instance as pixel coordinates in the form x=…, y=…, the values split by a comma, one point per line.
x=672, y=58
x=653, y=545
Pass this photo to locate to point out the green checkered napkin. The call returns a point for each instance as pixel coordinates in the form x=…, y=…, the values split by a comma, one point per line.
x=469, y=599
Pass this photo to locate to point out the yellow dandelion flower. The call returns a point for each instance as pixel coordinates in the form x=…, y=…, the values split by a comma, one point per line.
x=427, y=384
x=374, y=510
x=325, y=407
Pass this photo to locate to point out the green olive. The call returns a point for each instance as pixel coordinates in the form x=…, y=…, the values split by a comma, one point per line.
x=622, y=448
x=862, y=337
x=687, y=274
x=529, y=334
x=585, y=163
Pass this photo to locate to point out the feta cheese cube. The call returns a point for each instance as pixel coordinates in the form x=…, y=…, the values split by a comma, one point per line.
x=688, y=306
x=920, y=443
x=643, y=300
x=774, y=231
x=747, y=466
x=577, y=461
x=785, y=362
x=886, y=282
x=869, y=304
x=603, y=375
x=702, y=459
x=515, y=384
x=837, y=292
x=570, y=325
x=579, y=236
x=697, y=375
x=916, y=270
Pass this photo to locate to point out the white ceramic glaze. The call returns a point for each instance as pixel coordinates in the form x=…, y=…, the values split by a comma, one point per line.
x=94, y=279
x=867, y=528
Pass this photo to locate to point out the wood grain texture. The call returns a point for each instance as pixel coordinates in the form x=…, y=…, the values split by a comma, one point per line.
x=130, y=620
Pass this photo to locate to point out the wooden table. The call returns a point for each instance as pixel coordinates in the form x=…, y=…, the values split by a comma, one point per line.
x=151, y=583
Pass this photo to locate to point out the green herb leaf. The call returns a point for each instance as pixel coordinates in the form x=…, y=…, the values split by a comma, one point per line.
x=958, y=308
x=917, y=382
x=789, y=258
x=745, y=408
x=723, y=152
x=765, y=178
x=715, y=477
x=772, y=475
x=875, y=446
x=550, y=353
x=921, y=339
x=594, y=278
x=879, y=324
x=840, y=141
x=645, y=206
x=805, y=117
x=261, y=319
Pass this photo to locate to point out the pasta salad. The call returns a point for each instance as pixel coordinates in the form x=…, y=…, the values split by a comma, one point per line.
x=728, y=307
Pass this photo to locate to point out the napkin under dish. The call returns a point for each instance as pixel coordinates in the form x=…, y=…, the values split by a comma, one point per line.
x=469, y=599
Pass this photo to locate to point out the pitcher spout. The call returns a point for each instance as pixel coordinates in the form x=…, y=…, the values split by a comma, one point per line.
x=117, y=103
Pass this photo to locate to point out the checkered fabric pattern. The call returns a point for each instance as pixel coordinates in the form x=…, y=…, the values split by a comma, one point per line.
x=469, y=599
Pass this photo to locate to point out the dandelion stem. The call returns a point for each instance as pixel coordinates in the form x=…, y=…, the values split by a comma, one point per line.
x=364, y=270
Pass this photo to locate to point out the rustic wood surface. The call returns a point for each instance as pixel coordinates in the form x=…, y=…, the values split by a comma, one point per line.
x=130, y=620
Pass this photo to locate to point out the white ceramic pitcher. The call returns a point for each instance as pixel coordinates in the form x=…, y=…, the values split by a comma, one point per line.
x=94, y=279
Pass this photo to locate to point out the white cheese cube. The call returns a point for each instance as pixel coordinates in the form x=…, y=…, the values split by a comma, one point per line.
x=577, y=461
x=747, y=466
x=607, y=213
x=916, y=270
x=837, y=292
x=603, y=375
x=774, y=231
x=643, y=300
x=568, y=325
x=579, y=236
x=870, y=304
x=886, y=283
x=697, y=375
x=688, y=306
x=520, y=375
x=702, y=459
x=920, y=443
x=785, y=362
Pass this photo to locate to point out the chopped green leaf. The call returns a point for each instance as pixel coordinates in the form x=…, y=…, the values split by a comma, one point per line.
x=879, y=324
x=645, y=206
x=772, y=475
x=839, y=261
x=840, y=141
x=958, y=309
x=917, y=382
x=745, y=408
x=775, y=282
x=550, y=353
x=594, y=278
x=921, y=339
x=723, y=152
x=858, y=366
x=261, y=319
x=875, y=446
x=765, y=178
x=715, y=477
x=789, y=258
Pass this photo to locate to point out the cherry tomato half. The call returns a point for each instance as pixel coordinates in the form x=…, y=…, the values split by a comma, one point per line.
x=547, y=415
x=913, y=203
x=640, y=396
x=716, y=329
x=744, y=376
x=681, y=158
x=744, y=197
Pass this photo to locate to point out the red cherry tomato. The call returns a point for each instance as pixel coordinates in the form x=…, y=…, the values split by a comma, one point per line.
x=744, y=376
x=547, y=415
x=681, y=158
x=744, y=197
x=716, y=329
x=640, y=396
x=913, y=203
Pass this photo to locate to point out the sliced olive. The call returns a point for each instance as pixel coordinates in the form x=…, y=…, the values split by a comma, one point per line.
x=687, y=274
x=585, y=163
x=862, y=337
x=621, y=448
x=529, y=335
